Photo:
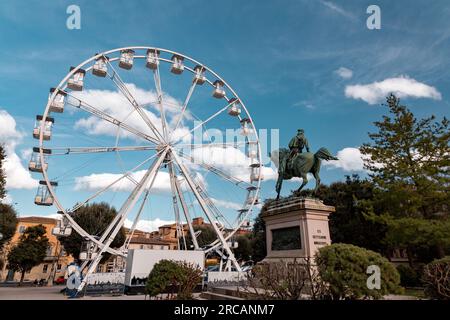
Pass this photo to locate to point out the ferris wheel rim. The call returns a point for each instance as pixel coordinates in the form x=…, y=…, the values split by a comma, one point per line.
x=62, y=86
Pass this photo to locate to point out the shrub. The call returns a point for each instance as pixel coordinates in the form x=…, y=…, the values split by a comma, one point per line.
x=343, y=268
x=190, y=277
x=284, y=280
x=436, y=276
x=409, y=277
x=172, y=277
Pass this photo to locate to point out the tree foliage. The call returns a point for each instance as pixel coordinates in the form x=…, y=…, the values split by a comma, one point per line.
x=173, y=277
x=409, y=161
x=2, y=174
x=349, y=224
x=206, y=236
x=30, y=251
x=343, y=267
x=8, y=223
x=244, y=250
x=94, y=219
x=258, y=237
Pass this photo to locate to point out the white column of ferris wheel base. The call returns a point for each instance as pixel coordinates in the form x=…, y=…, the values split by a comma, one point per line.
x=126, y=208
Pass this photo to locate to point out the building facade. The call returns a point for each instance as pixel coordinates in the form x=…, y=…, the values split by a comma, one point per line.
x=55, y=262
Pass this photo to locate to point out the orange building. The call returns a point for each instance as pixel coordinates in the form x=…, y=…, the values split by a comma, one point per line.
x=55, y=262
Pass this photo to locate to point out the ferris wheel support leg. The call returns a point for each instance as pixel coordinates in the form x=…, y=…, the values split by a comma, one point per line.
x=175, y=196
x=205, y=209
x=148, y=179
x=186, y=214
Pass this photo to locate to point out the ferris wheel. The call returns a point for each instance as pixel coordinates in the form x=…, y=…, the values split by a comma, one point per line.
x=154, y=133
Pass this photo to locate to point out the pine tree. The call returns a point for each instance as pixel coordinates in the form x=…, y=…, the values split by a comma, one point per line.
x=409, y=162
x=2, y=174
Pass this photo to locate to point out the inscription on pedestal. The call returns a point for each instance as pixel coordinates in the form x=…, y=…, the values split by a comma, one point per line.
x=286, y=239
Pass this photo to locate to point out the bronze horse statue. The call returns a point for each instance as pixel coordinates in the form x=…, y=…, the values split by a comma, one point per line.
x=299, y=166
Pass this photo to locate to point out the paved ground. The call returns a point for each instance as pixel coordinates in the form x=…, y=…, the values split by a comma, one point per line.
x=51, y=293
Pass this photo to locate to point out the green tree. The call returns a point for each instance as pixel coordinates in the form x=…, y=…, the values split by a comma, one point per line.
x=349, y=224
x=244, y=250
x=2, y=174
x=94, y=219
x=409, y=161
x=258, y=237
x=8, y=223
x=29, y=252
x=207, y=235
x=172, y=277
x=343, y=267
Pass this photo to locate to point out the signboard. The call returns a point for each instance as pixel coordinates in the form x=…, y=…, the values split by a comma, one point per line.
x=105, y=283
x=141, y=262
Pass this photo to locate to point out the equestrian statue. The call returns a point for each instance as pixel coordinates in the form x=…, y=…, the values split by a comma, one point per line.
x=296, y=163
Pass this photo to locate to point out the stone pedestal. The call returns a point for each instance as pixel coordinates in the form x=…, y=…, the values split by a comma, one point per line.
x=296, y=228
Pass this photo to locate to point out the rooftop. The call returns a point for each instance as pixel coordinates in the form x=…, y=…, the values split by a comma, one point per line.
x=42, y=220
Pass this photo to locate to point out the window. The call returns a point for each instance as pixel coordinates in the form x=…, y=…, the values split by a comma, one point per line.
x=142, y=246
x=49, y=251
x=58, y=268
x=45, y=268
x=286, y=239
x=22, y=229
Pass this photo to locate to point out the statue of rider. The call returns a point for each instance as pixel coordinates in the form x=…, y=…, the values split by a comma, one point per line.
x=296, y=145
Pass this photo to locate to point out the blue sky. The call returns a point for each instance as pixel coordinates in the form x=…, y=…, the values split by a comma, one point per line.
x=296, y=64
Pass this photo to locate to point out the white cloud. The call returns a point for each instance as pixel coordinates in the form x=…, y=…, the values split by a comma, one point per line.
x=226, y=204
x=17, y=176
x=97, y=181
x=305, y=104
x=350, y=159
x=338, y=10
x=230, y=160
x=148, y=225
x=116, y=105
x=402, y=87
x=26, y=153
x=344, y=73
x=7, y=199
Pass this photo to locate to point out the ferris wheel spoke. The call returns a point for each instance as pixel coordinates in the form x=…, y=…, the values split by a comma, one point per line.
x=185, y=104
x=136, y=220
x=80, y=150
x=109, y=235
x=212, y=144
x=205, y=208
x=125, y=175
x=153, y=165
x=80, y=104
x=206, y=121
x=157, y=79
x=222, y=174
x=117, y=80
